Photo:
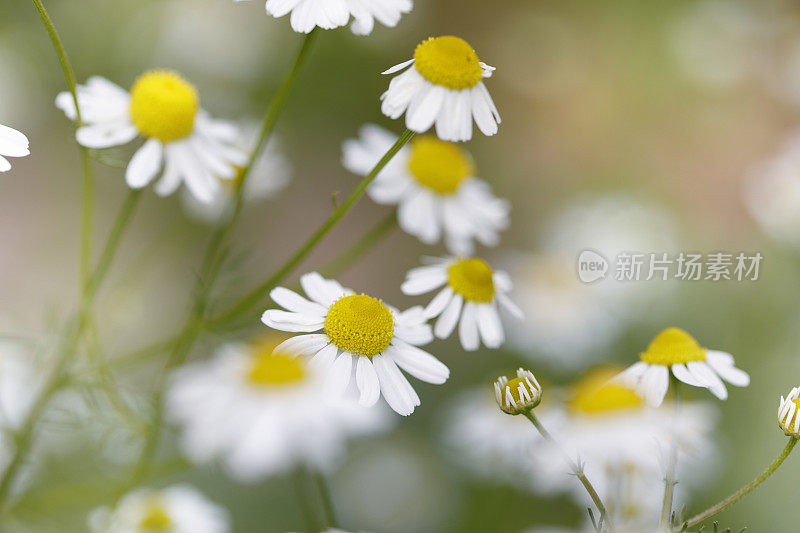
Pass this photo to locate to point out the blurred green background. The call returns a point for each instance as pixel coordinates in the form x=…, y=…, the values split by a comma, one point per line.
x=670, y=101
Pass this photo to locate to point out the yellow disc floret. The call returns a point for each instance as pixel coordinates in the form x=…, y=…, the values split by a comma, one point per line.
x=163, y=105
x=360, y=324
x=673, y=346
x=595, y=395
x=472, y=279
x=448, y=61
x=156, y=520
x=438, y=165
x=271, y=369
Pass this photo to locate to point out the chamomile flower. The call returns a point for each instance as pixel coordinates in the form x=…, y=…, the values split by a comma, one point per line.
x=328, y=14
x=471, y=298
x=12, y=144
x=520, y=394
x=433, y=184
x=270, y=174
x=788, y=415
x=361, y=335
x=443, y=85
x=164, y=109
x=176, y=509
x=674, y=350
x=262, y=412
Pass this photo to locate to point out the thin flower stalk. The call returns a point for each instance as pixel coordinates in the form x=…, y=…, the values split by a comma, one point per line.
x=669, y=480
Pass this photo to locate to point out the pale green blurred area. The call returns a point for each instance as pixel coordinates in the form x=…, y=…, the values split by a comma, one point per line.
x=595, y=97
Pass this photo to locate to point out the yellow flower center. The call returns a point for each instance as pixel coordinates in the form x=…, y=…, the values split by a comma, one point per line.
x=448, y=61
x=360, y=324
x=163, y=105
x=438, y=165
x=157, y=520
x=521, y=391
x=270, y=369
x=673, y=346
x=594, y=395
x=472, y=279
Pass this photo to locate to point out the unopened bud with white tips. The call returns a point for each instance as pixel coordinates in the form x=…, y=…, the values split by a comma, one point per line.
x=518, y=395
x=788, y=415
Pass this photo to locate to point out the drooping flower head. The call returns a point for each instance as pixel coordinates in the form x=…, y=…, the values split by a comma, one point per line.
x=674, y=350
x=12, y=144
x=789, y=413
x=328, y=14
x=433, y=184
x=519, y=394
x=472, y=296
x=164, y=109
x=443, y=85
x=361, y=335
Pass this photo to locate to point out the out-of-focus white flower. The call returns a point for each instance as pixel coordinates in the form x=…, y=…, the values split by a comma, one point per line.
x=433, y=184
x=621, y=443
x=162, y=107
x=772, y=194
x=176, y=509
x=270, y=173
x=788, y=416
x=443, y=85
x=328, y=14
x=263, y=413
x=12, y=144
x=361, y=336
x=471, y=298
x=674, y=350
x=21, y=380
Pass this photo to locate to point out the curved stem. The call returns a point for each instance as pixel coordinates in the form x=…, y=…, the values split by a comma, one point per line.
x=251, y=298
x=576, y=468
x=212, y=263
x=744, y=491
x=327, y=501
x=669, y=480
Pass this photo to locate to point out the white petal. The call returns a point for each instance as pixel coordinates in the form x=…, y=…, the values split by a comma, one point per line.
x=292, y=301
x=395, y=387
x=722, y=363
x=398, y=68
x=294, y=322
x=631, y=376
x=418, y=363
x=654, y=384
x=449, y=318
x=106, y=134
x=468, y=327
x=324, y=358
x=13, y=143
x=489, y=325
x=439, y=302
x=303, y=344
x=367, y=381
x=5, y=166
x=321, y=290
x=423, y=283
x=144, y=164
x=703, y=372
x=507, y=304
x=682, y=373
x=339, y=374
x=424, y=108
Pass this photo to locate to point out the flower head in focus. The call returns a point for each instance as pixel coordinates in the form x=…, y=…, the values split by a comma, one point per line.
x=164, y=109
x=176, y=509
x=262, y=412
x=788, y=415
x=443, y=85
x=433, y=184
x=519, y=394
x=12, y=144
x=674, y=350
x=361, y=335
x=472, y=295
x=329, y=14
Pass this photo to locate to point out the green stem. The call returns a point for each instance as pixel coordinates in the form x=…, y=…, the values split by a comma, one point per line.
x=327, y=501
x=577, y=470
x=253, y=297
x=212, y=264
x=300, y=478
x=669, y=480
x=87, y=212
x=744, y=491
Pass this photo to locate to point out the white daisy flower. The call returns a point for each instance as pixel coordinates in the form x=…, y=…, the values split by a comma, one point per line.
x=674, y=350
x=177, y=509
x=257, y=411
x=270, y=174
x=360, y=335
x=329, y=14
x=163, y=108
x=444, y=86
x=12, y=144
x=471, y=297
x=433, y=184
x=788, y=415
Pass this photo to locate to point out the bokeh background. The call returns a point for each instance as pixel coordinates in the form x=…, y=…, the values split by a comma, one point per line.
x=669, y=105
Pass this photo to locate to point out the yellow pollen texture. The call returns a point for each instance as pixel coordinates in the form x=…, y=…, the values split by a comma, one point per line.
x=673, y=346
x=438, y=165
x=163, y=105
x=270, y=369
x=594, y=395
x=156, y=521
x=448, y=61
x=472, y=279
x=360, y=324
